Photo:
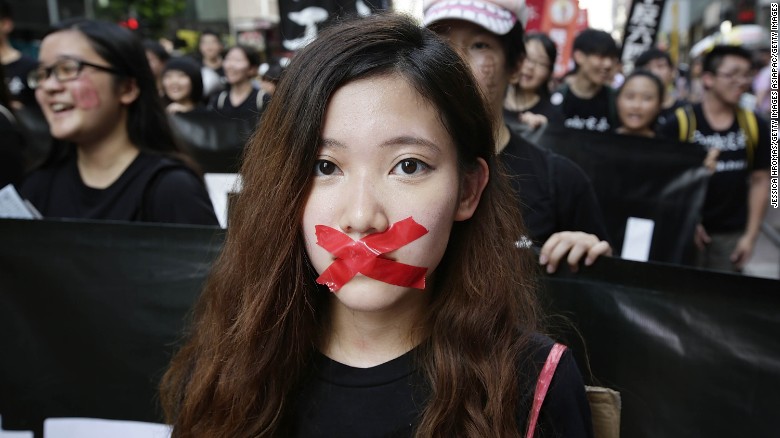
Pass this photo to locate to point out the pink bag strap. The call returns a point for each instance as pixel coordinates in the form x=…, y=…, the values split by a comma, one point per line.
x=543, y=384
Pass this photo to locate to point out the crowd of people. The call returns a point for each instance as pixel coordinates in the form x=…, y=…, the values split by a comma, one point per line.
x=409, y=140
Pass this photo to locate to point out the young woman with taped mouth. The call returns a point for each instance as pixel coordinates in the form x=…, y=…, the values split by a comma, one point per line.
x=369, y=284
x=114, y=155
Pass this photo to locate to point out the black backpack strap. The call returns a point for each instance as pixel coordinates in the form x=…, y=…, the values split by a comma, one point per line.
x=153, y=175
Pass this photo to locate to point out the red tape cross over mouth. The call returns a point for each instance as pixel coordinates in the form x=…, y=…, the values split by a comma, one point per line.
x=363, y=256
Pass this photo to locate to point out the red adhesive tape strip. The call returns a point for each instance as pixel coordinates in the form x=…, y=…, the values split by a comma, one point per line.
x=364, y=256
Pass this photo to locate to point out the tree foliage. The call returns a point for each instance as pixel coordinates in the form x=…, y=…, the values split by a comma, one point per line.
x=153, y=15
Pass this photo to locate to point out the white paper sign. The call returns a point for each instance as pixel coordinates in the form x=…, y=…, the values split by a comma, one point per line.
x=12, y=206
x=99, y=428
x=637, y=240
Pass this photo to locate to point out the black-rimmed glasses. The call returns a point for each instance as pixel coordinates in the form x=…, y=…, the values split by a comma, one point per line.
x=66, y=69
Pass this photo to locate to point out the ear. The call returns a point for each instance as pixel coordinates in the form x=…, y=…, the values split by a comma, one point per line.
x=473, y=185
x=128, y=91
x=707, y=79
x=579, y=57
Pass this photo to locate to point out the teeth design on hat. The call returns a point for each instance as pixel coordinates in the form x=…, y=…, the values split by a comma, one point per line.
x=492, y=17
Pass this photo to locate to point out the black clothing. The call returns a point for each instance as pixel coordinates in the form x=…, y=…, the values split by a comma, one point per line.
x=12, y=148
x=248, y=110
x=16, y=78
x=595, y=114
x=387, y=400
x=555, y=194
x=667, y=114
x=151, y=189
x=544, y=107
x=726, y=204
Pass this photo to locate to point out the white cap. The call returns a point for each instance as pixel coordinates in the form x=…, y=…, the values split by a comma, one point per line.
x=497, y=16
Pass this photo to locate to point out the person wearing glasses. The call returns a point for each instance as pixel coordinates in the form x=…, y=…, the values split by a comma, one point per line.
x=556, y=198
x=738, y=191
x=114, y=155
x=527, y=104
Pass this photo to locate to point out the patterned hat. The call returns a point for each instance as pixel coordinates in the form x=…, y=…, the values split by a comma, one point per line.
x=497, y=16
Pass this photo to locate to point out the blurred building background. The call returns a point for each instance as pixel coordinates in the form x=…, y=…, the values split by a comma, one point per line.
x=684, y=22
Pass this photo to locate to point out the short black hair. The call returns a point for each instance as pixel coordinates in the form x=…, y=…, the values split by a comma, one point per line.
x=191, y=68
x=158, y=50
x=651, y=55
x=596, y=42
x=252, y=55
x=514, y=47
x=645, y=74
x=714, y=57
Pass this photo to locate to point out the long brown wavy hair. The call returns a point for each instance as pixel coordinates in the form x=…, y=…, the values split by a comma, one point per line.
x=259, y=320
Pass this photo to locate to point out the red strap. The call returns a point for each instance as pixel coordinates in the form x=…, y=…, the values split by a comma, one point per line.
x=545, y=377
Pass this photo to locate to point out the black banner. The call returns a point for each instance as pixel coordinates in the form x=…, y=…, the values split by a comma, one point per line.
x=644, y=20
x=216, y=143
x=300, y=20
x=91, y=312
x=642, y=178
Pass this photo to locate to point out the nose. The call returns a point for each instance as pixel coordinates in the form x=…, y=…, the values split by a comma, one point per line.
x=50, y=83
x=363, y=210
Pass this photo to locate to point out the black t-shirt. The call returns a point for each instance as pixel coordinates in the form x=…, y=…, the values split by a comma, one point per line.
x=387, y=400
x=726, y=204
x=248, y=110
x=544, y=107
x=12, y=148
x=595, y=114
x=555, y=194
x=667, y=114
x=16, y=78
x=151, y=189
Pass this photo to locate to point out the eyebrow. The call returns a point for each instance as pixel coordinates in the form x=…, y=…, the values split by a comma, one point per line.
x=395, y=141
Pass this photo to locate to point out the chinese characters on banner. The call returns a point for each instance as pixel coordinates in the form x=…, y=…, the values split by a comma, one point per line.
x=562, y=20
x=535, y=10
x=644, y=19
x=300, y=20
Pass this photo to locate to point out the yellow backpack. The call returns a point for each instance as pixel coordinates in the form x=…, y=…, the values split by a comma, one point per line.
x=686, y=121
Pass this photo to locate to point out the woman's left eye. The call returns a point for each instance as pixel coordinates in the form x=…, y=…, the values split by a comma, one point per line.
x=410, y=166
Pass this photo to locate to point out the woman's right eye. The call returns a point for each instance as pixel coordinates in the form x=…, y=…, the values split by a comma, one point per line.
x=325, y=168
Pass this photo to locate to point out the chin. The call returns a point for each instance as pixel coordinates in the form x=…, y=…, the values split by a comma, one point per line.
x=363, y=294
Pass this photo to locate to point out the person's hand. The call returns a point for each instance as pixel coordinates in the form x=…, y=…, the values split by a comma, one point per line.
x=532, y=120
x=711, y=160
x=174, y=108
x=742, y=252
x=700, y=238
x=572, y=245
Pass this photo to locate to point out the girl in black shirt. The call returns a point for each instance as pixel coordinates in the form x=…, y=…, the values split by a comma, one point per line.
x=370, y=284
x=115, y=156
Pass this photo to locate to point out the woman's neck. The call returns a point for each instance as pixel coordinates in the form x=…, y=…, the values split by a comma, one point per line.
x=719, y=114
x=521, y=100
x=213, y=63
x=583, y=88
x=366, y=339
x=240, y=91
x=646, y=132
x=7, y=52
x=102, y=162
x=186, y=105
x=502, y=137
